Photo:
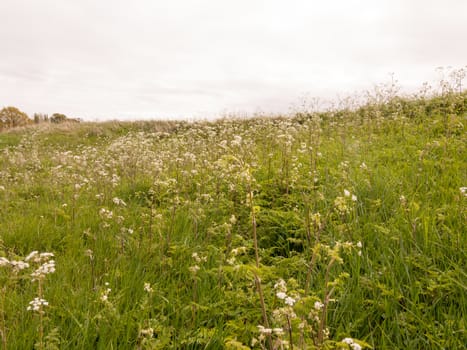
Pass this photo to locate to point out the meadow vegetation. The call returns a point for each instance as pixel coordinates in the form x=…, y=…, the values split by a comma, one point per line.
x=338, y=229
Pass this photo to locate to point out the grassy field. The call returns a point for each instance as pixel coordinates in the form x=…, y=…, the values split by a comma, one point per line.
x=336, y=230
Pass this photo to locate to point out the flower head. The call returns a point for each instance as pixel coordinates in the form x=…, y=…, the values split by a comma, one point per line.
x=147, y=287
x=318, y=305
x=4, y=261
x=37, y=304
x=43, y=270
x=281, y=295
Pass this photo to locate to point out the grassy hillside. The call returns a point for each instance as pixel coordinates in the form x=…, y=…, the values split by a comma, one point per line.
x=343, y=229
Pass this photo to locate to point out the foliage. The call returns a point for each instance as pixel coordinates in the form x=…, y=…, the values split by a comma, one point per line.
x=11, y=117
x=58, y=118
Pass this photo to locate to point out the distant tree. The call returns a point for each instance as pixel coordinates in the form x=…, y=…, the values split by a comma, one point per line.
x=40, y=118
x=58, y=118
x=11, y=117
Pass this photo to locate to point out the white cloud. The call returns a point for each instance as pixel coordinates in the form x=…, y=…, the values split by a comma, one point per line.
x=148, y=58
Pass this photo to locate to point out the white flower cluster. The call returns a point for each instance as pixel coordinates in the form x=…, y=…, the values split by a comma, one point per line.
x=147, y=287
x=352, y=344
x=233, y=220
x=37, y=304
x=318, y=305
x=106, y=214
x=234, y=253
x=287, y=299
x=281, y=286
x=4, y=261
x=47, y=265
x=105, y=293
x=18, y=265
x=403, y=200
x=350, y=195
x=264, y=332
x=342, y=204
x=118, y=201
x=194, y=269
x=43, y=270
x=37, y=257
x=147, y=332
x=199, y=260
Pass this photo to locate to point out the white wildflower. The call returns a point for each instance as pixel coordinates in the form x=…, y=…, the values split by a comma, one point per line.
x=318, y=305
x=278, y=331
x=147, y=287
x=198, y=258
x=19, y=265
x=118, y=201
x=352, y=343
x=281, y=295
x=237, y=141
x=264, y=330
x=341, y=205
x=290, y=301
x=233, y=219
x=107, y=214
x=31, y=255
x=43, y=270
x=4, y=261
x=194, y=269
x=281, y=285
x=46, y=255
x=403, y=200
x=148, y=332
x=37, y=304
x=105, y=294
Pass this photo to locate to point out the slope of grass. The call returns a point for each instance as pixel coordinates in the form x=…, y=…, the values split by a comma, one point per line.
x=360, y=219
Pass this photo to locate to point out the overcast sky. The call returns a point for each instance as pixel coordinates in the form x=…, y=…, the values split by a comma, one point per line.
x=140, y=59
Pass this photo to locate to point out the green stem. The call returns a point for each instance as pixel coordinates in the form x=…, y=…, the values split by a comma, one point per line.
x=257, y=280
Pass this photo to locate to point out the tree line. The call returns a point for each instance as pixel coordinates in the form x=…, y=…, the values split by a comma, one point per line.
x=11, y=117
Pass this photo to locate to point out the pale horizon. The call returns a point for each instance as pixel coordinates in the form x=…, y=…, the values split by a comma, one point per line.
x=180, y=60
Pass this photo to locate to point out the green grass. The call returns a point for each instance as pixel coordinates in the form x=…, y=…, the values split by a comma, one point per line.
x=183, y=183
